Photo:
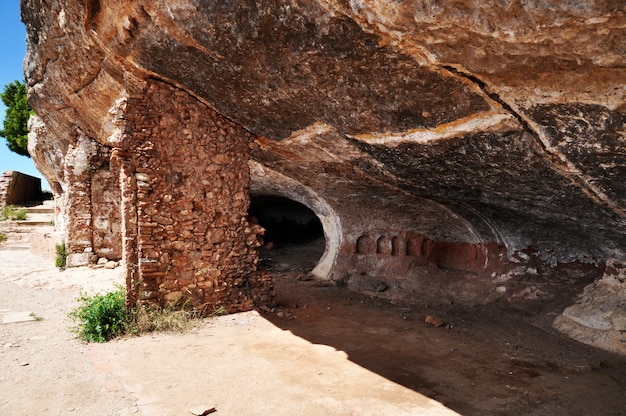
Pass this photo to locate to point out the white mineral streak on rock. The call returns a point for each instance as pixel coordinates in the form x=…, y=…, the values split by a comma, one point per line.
x=489, y=121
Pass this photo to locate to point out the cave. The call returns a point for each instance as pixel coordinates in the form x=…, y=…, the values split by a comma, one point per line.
x=375, y=176
x=438, y=174
x=293, y=237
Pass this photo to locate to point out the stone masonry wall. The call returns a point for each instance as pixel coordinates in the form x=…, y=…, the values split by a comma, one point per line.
x=105, y=214
x=77, y=206
x=184, y=174
x=16, y=188
x=86, y=191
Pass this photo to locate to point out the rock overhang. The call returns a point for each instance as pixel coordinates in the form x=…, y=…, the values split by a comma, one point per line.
x=493, y=123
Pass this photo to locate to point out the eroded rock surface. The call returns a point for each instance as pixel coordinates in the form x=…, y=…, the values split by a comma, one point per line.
x=599, y=316
x=488, y=133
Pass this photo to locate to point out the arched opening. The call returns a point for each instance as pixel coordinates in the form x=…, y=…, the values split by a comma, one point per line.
x=294, y=235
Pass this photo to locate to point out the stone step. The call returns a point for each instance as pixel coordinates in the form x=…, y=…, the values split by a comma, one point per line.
x=37, y=216
x=40, y=210
x=33, y=223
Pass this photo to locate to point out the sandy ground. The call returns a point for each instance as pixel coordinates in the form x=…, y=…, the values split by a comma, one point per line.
x=323, y=351
x=239, y=364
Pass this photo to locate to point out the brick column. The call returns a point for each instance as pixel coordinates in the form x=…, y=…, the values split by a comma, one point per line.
x=77, y=206
x=121, y=163
x=190, y=171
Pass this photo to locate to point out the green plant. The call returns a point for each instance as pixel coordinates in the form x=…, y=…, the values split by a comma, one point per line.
x=10, y=212
x=219, y=311
x=90, y=169
x=36, y=317
x=3, y=237
x=61, y=255
x=101, y=317
x=18, y=112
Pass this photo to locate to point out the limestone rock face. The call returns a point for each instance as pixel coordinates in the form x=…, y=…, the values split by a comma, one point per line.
x=599, y=316
x=497, y=124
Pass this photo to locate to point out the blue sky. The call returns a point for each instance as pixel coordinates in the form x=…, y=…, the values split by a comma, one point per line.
x=12, y=51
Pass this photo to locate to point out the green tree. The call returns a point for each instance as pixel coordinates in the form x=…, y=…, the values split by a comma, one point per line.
x=15, y=128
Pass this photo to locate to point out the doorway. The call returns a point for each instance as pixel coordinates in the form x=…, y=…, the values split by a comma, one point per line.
x=294, y=236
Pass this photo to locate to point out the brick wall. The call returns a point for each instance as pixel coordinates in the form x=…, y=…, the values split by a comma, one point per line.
x=43, y=243
x=184, y=200
x=77, y=201
x=18, y=188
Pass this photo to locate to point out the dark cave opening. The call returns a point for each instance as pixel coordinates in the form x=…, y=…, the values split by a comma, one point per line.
x=294, y=236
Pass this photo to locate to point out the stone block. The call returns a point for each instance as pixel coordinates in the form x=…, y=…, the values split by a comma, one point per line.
x=77, y=259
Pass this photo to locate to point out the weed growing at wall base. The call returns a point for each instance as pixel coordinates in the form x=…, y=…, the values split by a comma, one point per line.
x=101, y=317
x=173, y=318
x=61, y=255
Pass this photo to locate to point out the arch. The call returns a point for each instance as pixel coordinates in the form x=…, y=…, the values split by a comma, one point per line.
x=294, y=236
x=285, y=221
x=365, y=244
x=414, y=243
x=265, y=181
x=398, y=245
x=383, y=245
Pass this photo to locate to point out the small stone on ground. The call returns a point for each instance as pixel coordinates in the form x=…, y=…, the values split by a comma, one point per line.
x=15, y=317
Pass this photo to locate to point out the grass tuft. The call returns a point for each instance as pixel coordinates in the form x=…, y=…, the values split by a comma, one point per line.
x=10, y=212
x=61, y=255
x=158, y=319
x=103, y=317
x=36, y=317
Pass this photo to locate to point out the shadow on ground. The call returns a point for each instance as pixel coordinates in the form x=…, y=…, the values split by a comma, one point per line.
x=482, y=361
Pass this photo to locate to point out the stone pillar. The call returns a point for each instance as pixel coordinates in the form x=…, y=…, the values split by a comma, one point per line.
x=122, y=164
x=77, y=201
x=188, y=165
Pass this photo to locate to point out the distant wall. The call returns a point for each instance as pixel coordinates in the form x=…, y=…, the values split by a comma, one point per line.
x=19, y=188
x=43, y=242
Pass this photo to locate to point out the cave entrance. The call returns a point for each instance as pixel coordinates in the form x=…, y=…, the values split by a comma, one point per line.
x=294, y=236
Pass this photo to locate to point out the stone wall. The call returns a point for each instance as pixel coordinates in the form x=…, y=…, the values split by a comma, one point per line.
x=86, y=192
x=17, y=188
x=77, y=201
x=43, y=243
x=105, y=214
x=185, y=179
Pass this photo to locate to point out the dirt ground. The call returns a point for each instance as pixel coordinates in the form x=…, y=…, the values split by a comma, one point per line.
x=323, y=351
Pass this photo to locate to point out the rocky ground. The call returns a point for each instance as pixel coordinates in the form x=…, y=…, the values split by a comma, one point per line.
x=322, y=351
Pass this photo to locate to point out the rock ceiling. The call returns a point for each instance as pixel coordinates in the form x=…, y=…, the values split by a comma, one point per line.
x=468, y=121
